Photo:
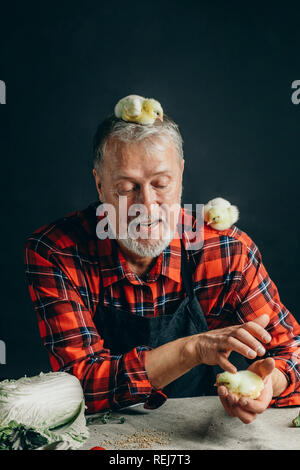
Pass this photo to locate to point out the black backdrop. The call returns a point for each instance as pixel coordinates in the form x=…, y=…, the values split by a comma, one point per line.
x=222, y=71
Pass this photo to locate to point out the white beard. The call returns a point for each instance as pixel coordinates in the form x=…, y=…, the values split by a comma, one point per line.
x=150, y=249
x=153, y=248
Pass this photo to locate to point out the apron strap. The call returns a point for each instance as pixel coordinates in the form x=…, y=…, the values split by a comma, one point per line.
x=193, y=306
x=186, y=273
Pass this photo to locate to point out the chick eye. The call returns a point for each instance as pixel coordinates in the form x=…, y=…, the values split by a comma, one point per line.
x=157, y=114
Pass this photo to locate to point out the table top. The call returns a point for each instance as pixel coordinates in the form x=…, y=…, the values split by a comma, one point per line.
x=194, y=423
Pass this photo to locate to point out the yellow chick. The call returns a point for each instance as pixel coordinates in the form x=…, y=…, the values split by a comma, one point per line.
x=135, y=108
x=243, y=383
x=220, y=214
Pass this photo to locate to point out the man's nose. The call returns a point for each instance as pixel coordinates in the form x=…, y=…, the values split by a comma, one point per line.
x=147, y=196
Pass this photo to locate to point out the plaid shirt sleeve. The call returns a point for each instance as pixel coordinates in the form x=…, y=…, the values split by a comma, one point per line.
x=256, y=294
x=73, y=343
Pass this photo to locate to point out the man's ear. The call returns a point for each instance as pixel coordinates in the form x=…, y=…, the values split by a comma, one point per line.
x=182, y=166
x=98, y=183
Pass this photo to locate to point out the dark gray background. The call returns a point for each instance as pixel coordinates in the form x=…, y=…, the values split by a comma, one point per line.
x=222, y=71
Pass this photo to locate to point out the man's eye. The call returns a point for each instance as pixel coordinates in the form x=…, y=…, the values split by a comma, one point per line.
x=161, y=183
x=125, y=190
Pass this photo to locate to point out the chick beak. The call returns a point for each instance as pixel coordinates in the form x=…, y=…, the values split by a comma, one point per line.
x=160, y=118
x=209, y=222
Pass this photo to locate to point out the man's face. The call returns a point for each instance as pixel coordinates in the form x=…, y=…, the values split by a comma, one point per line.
x=152, y=180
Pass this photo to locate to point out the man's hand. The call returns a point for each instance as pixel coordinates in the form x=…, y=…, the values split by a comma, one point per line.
x=244, y=408
x=214, y=347
x=171, y=360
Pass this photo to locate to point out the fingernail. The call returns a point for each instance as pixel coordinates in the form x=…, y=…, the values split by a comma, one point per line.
x=251, y=353
x=244, y=402
x=260, y=350
x=230, y=400
x=266, y=338
x=235, y=400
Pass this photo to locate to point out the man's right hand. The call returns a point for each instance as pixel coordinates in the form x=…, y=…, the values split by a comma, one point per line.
x=171, y=360
x=213, y=347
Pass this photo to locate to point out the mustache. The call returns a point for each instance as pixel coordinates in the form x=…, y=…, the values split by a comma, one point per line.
x=143, y=220
x=146, y=221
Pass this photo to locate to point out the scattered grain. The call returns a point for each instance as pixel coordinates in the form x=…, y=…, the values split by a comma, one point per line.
x=140, y=439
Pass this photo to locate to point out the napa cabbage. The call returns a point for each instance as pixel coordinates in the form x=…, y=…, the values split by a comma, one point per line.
x=40, y=410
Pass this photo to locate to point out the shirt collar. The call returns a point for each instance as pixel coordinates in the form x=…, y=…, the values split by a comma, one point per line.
x=114, y=266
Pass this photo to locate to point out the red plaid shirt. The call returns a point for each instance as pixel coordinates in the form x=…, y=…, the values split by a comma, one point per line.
x=230, y=281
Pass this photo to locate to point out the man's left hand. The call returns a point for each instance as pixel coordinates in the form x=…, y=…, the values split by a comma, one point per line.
x=244, y=408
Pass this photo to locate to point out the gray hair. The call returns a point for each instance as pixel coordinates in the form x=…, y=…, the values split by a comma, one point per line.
x=112, y=127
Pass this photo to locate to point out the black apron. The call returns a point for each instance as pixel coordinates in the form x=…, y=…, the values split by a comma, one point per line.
x=122, y=331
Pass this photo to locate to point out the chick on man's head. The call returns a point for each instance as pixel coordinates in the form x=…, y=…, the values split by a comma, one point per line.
x=135, y=108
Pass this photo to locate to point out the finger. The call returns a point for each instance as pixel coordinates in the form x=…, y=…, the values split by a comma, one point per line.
x=223, y=394
x=225, y=364
x=230, y=402
x=263, y=367
x=258, y=331
x=222, y=391
x=226, y=406
x=245, y=416
x=252, y=406
x=246, y=338
x=232, y=399
x=262, y=320
x=233, y=344
x=266, y=367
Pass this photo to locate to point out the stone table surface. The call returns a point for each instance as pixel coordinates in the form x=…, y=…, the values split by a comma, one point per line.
x=194, y=423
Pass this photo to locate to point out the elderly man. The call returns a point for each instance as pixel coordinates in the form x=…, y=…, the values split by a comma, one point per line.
x=142, y=318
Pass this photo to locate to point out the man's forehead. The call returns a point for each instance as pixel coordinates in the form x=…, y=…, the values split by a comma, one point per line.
x=127, y=175
x=117, y=146
x=139, y=152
